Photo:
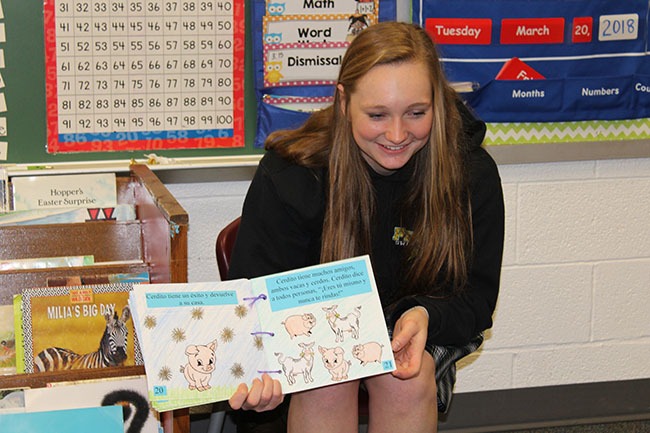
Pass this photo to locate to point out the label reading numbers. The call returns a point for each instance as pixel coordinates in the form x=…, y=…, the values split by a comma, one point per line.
x=618, y=27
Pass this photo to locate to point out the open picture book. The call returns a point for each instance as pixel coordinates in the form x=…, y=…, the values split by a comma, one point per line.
x=308, y=328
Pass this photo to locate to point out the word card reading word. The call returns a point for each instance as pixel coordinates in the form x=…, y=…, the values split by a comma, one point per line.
x=144, y=74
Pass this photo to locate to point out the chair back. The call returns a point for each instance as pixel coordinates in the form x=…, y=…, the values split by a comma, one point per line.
x=223, y=246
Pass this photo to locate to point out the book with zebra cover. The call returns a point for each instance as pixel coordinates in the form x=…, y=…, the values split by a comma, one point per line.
x=76, y=327
x=308, y=328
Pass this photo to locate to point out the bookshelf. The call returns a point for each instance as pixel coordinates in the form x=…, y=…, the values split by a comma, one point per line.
x=156, y=241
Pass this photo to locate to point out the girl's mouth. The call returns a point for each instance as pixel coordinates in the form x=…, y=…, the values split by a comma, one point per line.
x=393, y=148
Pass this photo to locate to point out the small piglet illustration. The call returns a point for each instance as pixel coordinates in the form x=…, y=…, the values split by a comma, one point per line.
x=367, y=353
x=200, y=365
x=335, y=363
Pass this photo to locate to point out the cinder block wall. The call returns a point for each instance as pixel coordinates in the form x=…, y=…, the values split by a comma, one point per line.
x=575, y=295
x=575, y=298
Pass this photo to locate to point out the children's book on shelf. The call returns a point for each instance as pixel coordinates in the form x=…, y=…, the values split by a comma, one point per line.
x=77, y=327
x=119, y=212
x=308, y=328
x=19, y=347
x=46, y=262
x=78, y=280
x=5, y=201
x=102, y=419
x=127, y=392
x=95, y=190
x=72, y=262
x=7, y=340
x=12, y=400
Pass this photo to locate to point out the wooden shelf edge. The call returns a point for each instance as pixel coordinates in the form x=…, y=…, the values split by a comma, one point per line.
x=40, y=380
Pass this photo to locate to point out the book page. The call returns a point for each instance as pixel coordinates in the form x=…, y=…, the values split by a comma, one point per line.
x=197, y=339
x=327, y=322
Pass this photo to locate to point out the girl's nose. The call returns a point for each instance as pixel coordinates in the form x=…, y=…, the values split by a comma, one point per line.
x=396, y=132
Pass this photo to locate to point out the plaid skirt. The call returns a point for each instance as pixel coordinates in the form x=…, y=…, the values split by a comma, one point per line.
x=445, y=358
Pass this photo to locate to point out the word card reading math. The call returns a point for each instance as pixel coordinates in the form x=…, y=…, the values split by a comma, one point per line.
x=144, y=74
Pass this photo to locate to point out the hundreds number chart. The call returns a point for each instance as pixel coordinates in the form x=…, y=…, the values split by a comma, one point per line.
x=144, y=74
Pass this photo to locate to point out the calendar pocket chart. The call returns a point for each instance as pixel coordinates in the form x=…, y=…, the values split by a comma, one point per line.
x=144, y=74
x=589, y=56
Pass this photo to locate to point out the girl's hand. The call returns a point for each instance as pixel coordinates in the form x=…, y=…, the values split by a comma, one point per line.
x=265, y=394
x=409, y=339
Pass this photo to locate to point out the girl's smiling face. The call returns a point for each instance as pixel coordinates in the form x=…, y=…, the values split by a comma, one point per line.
x=391, y=114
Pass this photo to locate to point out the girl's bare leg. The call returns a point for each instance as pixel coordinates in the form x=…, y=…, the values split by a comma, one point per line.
x=325, y=410
x=397, y=405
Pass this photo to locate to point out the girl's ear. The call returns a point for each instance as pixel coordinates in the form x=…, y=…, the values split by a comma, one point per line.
x=342, y=101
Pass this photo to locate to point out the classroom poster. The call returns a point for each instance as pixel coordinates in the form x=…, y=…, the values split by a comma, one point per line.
x=141, y=75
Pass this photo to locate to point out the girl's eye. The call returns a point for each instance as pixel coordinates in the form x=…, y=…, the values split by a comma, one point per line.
x=375, y=115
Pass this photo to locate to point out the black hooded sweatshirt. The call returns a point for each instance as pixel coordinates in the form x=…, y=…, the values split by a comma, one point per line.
x=282, y=221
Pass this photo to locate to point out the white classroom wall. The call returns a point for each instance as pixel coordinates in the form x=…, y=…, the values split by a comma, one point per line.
x=575, y=294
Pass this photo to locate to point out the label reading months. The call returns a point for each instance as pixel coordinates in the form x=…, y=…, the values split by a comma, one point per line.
x=618, y=27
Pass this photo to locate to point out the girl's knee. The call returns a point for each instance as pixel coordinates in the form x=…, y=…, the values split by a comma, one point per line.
x=419, y=392
x=329, y=397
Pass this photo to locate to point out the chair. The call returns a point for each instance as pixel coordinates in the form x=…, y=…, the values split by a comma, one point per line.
x=223, y=249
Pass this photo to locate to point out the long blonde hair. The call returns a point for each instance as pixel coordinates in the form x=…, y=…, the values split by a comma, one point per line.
x=441, y=242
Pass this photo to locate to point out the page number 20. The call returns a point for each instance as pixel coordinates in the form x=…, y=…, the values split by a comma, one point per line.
x=618, y=27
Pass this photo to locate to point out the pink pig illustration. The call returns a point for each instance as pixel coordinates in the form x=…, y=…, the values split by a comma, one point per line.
x=198, y=370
